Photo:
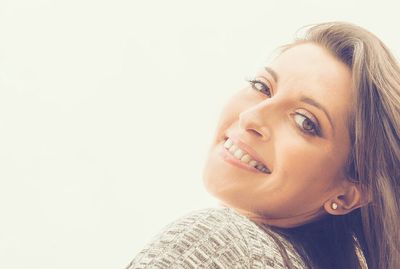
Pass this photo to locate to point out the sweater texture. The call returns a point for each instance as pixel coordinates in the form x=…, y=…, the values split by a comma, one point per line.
x=216, y=238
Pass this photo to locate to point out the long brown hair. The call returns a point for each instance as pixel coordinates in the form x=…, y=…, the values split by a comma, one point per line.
x=374, y=162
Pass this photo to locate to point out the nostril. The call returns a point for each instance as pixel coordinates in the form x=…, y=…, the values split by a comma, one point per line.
x=255, y=132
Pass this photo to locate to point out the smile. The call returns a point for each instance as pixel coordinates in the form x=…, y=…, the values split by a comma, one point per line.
x=244, y=157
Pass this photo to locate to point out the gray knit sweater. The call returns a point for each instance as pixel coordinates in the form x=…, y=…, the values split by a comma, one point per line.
x=215, y=238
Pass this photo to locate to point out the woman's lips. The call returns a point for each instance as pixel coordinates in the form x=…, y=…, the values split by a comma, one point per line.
x=254, y=155
x=228, y=157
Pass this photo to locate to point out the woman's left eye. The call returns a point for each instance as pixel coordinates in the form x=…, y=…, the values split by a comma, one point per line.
x=306, y=125
x=260, y=86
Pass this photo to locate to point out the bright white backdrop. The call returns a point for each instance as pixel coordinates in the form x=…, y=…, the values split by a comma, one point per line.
x=107, y=109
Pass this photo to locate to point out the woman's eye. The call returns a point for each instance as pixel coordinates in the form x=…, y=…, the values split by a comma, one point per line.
x=306, y=125
x=260, y=86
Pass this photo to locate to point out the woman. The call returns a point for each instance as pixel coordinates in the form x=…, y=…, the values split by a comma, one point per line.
x=305, y=162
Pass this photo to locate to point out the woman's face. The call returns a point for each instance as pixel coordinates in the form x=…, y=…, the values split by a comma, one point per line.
x=292, y=118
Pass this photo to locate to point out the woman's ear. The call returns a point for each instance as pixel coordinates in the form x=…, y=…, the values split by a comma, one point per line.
x=349, y=197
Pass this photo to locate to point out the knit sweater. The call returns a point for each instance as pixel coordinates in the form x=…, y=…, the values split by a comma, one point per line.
x=215, y=238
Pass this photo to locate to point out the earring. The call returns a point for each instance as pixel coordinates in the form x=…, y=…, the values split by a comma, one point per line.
x=334, y=205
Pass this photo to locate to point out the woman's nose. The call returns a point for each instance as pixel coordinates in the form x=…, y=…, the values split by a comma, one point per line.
x=254, y=120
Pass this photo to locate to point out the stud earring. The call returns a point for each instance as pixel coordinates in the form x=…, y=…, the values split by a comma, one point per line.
x=334, y=205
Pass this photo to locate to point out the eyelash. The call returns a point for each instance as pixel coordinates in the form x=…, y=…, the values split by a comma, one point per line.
x=253, y=83
x=266, y=90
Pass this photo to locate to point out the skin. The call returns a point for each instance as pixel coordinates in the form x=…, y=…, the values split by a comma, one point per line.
x=307, y=171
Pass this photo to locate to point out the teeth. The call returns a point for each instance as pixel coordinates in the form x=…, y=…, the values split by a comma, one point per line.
x=238, y=154
x=262, y=168
x=243, y=156
x=233, y=149
x=228, y=143
x=246, y=158
x=253, y=163
x=265, y=170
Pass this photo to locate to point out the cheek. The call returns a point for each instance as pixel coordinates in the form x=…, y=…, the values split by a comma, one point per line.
x=303, y=165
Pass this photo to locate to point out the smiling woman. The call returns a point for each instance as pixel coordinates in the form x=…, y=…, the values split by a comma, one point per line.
x=305, y=163
x=295, y=139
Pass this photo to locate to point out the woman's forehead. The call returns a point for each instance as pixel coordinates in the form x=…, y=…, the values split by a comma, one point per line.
x=311, y=61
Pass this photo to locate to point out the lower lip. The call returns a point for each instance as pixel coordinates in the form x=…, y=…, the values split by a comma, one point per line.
x=228, y=157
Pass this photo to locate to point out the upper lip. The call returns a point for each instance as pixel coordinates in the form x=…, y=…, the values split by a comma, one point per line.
x=254, y=155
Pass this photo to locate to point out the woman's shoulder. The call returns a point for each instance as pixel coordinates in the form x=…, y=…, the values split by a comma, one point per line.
x=214, y=238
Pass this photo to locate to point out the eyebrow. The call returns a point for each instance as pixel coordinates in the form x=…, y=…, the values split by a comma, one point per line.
x=303, y=98
x=272, y=73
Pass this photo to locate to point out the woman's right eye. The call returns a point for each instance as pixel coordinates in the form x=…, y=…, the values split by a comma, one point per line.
x=260, y=86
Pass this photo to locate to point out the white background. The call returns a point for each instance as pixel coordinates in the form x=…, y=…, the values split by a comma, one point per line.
x=107, y=109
